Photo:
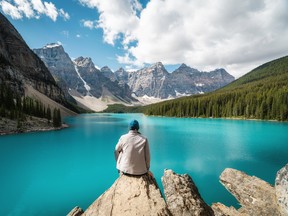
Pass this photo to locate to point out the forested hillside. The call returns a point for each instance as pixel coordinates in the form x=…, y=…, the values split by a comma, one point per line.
x=260, y=94
x=18, y=108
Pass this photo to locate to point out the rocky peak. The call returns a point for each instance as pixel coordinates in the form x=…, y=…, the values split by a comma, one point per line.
x=53, y=45
x=24, y=66
x=53, y=54
x=184, y=69
x=121, y=75
x=106, y=69
x=84, y=62
x=107, y=72
x=157, y=69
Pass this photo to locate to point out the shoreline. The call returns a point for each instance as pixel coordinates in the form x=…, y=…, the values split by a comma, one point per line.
x=34, y=130
x=32, y=124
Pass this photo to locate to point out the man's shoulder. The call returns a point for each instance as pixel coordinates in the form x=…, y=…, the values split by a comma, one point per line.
x=129, y=134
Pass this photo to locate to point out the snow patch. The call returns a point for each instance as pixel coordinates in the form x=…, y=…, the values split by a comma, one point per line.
x=52, y=45
x=86, y=86
x=145, y=100
x=199, y=84
x=178, y=94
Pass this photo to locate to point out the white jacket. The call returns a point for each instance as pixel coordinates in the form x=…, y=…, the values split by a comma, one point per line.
x=132, y=153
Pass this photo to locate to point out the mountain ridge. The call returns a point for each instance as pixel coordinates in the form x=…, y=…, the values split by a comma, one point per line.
x=146, y=85
x=249, y=97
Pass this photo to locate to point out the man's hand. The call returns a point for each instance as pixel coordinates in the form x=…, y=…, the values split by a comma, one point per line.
x=150, y=174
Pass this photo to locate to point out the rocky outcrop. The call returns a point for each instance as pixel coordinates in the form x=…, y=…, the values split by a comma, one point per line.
x=182, y=196
x=256, y=196
x=77, y=211
x=281, y=187
x=141, y=196
x=130, y=196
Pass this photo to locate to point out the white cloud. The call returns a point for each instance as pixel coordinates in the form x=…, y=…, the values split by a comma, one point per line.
x=89, y=24
x=11, y=10
x=116, y=17
x=236, y=35
x=78, y=36
x=18, y=9
x=64, y=14
x=51, y=10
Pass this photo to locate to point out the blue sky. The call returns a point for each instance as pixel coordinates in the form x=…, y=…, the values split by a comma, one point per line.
x=231, y=34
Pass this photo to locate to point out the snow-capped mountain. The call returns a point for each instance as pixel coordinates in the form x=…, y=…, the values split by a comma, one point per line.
x=152, y=81
x=82, y=79
x=186, y=80
x=156, y=82
x=61, y=67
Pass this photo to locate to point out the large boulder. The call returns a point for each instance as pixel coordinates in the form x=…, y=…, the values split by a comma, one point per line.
x=281, y=187
x=256, y=196
x=130, y=196
x=182, y=195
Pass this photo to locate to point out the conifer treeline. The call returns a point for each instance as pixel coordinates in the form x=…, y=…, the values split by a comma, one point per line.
x=15, y=107
x=261, y=94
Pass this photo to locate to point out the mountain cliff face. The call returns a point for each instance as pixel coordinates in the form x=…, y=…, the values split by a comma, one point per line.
x=152, y=81
x=99, y=85
x=106, y=71
x=189, y=81
x=61, y=67
x=155, y=81
x=20, y=66
x=81, y=78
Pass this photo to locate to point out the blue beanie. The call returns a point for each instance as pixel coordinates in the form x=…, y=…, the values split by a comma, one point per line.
x=134, y=125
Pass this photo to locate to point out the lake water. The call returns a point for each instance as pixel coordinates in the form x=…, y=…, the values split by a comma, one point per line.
x=49, y=173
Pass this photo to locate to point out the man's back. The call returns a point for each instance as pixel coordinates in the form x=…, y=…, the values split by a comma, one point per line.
x=133, y=154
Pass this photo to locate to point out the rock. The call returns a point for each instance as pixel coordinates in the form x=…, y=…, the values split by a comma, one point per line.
x=130, y=196
x=281, y=188
x=77, y=211
x=256, y=196
x=221, y=210
x=182, y=195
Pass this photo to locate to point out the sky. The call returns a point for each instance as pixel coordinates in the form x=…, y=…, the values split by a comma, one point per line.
x=204, y=34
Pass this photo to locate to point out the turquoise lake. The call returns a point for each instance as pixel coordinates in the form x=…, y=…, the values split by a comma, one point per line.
x=49, y=173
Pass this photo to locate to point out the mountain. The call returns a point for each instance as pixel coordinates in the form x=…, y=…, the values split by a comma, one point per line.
x=121, y=75
x=189, y=81
x=151, y=81
x=30, y=97
x=20, y=66
x=260, y=94
x=156, y=82
x=61, y=66
x=99, y=84
x=106, y=71
x=81, y=79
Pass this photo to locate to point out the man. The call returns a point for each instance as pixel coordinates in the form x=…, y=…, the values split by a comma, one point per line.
x=132, y=152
